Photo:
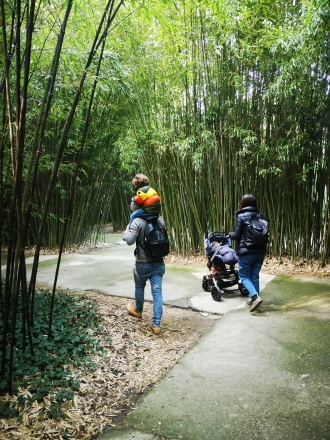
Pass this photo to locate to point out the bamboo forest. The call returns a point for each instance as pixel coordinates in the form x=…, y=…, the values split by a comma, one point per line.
x=210, y=99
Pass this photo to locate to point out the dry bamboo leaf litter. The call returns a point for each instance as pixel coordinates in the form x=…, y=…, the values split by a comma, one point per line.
x=134, y=360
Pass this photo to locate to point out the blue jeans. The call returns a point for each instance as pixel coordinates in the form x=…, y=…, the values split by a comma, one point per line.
x=136, y=214
x=249, y=266
x=154, y=273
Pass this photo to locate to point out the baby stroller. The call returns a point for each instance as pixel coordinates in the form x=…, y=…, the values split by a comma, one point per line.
x=221, y=261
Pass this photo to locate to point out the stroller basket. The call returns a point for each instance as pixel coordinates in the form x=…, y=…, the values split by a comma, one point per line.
x=221, y=261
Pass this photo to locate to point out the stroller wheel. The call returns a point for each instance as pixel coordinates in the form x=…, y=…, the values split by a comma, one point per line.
x=216, y=294
x=205, y=284
x=243, y=289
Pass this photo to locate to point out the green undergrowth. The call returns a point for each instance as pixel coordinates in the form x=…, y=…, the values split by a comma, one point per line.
x=50, y=370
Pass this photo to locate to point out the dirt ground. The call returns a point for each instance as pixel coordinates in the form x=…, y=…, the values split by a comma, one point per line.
x=135, y=360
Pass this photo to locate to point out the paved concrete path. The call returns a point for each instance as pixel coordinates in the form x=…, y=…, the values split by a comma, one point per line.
x=262, y=375
x=251, y=377
x=109, y=269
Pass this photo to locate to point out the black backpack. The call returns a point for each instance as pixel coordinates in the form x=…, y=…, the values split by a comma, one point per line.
x=155, y=242
x=256, y=231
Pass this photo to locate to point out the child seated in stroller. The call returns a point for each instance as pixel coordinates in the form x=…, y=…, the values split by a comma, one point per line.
x=221, y=261
x=219, y=252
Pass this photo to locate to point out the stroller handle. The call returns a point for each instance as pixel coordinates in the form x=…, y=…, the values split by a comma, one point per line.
x=220, y=237
x=212, y=234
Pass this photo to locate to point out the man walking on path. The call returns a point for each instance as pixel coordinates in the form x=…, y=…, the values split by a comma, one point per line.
x=146, y=268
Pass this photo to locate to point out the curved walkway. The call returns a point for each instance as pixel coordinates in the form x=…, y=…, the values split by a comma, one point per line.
x=262, y=375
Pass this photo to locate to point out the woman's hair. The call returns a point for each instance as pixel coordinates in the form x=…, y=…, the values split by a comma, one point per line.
x=248, y=200
x=140, y=180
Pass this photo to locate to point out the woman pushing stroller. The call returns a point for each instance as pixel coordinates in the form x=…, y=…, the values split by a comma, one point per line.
x=250, y=252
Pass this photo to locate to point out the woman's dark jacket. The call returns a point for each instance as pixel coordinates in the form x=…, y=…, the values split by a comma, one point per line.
x=238, y=234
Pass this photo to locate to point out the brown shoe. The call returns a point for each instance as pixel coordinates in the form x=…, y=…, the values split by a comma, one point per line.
x=131, y=310
x=155, y=330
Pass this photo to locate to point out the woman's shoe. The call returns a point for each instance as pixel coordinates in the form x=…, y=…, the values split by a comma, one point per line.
x=255, y=304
